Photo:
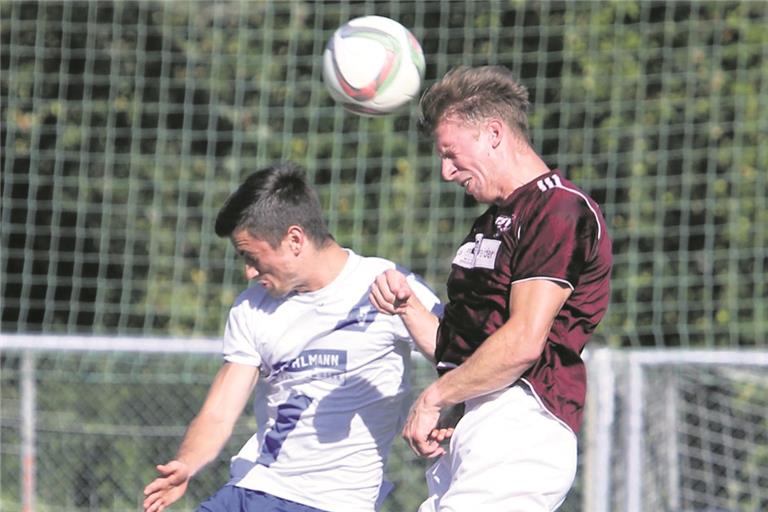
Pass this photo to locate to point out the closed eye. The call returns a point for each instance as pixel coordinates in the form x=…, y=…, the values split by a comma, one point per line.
x=249, y=260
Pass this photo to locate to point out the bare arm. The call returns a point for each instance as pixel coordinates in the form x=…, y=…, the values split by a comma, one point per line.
x=391, y=294
x=206, y=435
x=496, y=364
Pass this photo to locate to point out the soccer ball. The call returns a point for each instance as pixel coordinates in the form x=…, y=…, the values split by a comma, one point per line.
x=373, y=65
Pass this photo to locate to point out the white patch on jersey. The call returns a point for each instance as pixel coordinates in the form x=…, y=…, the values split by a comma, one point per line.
x=478, y=254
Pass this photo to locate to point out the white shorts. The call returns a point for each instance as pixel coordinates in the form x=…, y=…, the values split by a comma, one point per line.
x=507, y=454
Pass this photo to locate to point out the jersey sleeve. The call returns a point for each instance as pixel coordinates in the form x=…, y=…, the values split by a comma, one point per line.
x=556, y=243
x=239, y=344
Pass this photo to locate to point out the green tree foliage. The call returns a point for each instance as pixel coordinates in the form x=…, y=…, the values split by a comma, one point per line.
x=127, y=123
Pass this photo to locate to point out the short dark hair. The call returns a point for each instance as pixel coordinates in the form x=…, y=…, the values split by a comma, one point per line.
x=471, y=94
x=270, y=201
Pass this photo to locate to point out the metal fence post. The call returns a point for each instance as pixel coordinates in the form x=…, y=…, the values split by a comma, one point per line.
x=599, y=436
x=635, y=405
x=28, y=421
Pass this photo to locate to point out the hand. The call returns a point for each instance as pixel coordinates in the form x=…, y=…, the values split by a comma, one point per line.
x=390, y=292
x=449, y=417
x=168, y=488
x=422, y=430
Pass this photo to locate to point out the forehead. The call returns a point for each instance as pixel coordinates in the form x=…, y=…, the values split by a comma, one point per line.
x=243, y=240
x=451, y=131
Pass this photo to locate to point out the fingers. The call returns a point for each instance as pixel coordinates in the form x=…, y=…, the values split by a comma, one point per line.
x=399, y=287
x=422, y=433
x=153, y=487
x=427, y=447
x=154, y=493
x=153, y=501
x=442, y=431
x=165, y=481
x=376, y=296
x=162, y=495
x=158, y=484
x=390, y=292
x=169, y=487
x=440, y=434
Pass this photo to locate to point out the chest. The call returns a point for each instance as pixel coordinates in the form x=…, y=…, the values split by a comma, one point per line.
x=484, y=261
x=326, y=337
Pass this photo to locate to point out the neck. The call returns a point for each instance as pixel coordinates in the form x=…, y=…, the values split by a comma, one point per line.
x=525, y=165
x=328, y=262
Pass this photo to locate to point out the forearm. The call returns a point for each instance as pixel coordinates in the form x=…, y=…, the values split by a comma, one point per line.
x=204, y=440
x=499, y=362
x=422, y=326
x=508, y=353
x=392, y=295
x=489, y=369
x=213, y=425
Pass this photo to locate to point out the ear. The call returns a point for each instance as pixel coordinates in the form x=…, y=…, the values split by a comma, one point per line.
x=295, y=238
x=495, y=132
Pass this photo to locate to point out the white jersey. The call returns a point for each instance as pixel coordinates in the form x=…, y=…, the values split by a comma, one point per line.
x=334, y=373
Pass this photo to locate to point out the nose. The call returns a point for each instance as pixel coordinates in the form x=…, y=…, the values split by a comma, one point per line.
x=250, y=272
x=447, y=169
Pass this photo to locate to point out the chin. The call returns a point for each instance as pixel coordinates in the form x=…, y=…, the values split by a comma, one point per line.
x=279, y=293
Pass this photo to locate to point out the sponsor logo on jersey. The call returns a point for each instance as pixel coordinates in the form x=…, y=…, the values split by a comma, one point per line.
x=478, y=254
x=503, y=223
x=361, y=316
x=319, y=358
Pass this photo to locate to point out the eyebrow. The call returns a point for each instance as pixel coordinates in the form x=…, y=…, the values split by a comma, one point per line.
x=445, y=150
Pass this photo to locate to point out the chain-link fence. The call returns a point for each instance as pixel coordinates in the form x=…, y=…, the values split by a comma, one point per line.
x=82, y=427
x=91, y=425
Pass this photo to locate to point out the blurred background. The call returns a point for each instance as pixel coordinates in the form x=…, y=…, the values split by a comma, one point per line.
x=125, y=124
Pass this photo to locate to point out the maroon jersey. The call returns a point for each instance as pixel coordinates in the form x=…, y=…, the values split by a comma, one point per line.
x=548, y=229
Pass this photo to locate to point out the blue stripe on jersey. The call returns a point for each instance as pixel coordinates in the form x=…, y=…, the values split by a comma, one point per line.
x=287, y=417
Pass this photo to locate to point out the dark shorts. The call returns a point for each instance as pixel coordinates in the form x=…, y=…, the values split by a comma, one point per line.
x=236, y=499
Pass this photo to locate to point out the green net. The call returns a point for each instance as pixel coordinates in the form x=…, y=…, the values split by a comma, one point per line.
x=125, y=124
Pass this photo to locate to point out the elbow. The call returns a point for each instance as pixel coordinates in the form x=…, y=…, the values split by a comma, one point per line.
x=527, y=354
x=527, y=359
x=216, y=421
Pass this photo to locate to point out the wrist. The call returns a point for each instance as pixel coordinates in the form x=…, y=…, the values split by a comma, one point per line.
x=185, y=466
x=433, y=397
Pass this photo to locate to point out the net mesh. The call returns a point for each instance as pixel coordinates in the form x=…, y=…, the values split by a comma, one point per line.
x=103, y=420
x=125, y=124
x=687, y=433
x=702, y=440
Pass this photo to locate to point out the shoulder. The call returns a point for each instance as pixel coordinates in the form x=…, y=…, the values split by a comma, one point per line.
x=557, y=192
x=372, y=265
x=377, y=265
x=359, y=274
x=557, y=197
x=253, y=297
